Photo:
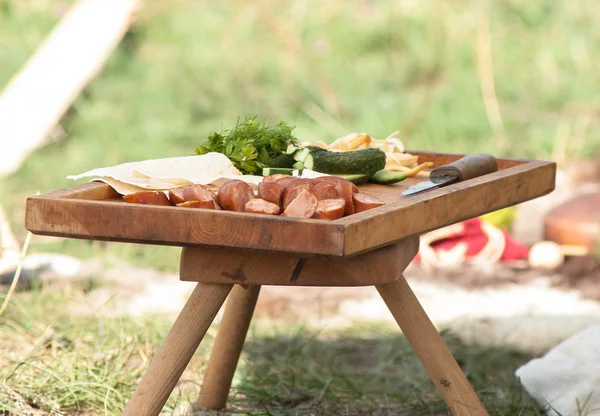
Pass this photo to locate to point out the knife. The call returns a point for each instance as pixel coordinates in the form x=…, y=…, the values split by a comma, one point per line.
x=469, y=167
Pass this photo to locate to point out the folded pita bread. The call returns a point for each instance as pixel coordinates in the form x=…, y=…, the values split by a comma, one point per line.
x=168, y=173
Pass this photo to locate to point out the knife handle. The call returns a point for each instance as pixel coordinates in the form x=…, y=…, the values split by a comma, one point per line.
x=469, y=167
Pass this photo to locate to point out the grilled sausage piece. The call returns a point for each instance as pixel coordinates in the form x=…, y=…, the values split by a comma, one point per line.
x=206, y=204
x=176, y=195
x=293, y=189
x=334, y=179
x=234, y=194
x=270, y=191
x=191, y=193
x=148, y=197
x=260, y=206
x=324, y=190
x=275, y=177
x=196, y=193
x=330, y=209
x=213, y=192
x=345, y=191
x=284, y=180
x=303, y=206
x=364, y=202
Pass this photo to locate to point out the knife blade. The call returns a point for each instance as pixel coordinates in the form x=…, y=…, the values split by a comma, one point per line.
x=469, y=167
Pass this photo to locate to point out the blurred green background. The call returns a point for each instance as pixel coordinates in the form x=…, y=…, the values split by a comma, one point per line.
x=513, y=78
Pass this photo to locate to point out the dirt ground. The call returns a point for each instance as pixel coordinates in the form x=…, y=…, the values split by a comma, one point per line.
x=518, y=307
x=581, y=274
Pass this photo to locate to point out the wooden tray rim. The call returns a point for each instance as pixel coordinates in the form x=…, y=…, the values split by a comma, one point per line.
x=342, y=231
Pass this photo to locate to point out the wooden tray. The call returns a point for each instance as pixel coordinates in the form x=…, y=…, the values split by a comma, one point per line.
x=94, y=211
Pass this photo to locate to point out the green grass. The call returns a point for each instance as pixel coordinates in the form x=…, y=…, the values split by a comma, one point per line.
x=23, y=26
x=189, y=67
x=55, y=361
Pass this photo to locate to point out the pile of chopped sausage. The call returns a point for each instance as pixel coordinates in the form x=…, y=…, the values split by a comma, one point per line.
x=326, y=197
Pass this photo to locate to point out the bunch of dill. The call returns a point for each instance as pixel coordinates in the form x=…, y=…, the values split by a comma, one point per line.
x=250, y=145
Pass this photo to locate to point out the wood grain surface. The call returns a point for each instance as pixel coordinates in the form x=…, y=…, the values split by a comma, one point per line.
x=94, y=211
x=247, y=267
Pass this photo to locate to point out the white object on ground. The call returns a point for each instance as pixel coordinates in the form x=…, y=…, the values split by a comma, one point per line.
x=568, y=377
x=546, y=255
x=61, y=265
x=9, y=248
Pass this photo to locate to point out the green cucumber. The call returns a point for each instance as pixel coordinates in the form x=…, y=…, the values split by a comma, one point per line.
x=386, y=177
x=315, y=149
x=364, y=161
x=277, y=171
x=355, y=178
x=298, y=165
x=282, y=161
x=301, y=155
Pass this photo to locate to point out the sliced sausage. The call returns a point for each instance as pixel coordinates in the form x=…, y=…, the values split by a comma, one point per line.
x=270, y=191
x=176, y=195
x=303, y=206
x=206, y=204
x=197, y=193
x=295, y=179
x=234, y=194
x=324, y=190
x=260, y=206
x=287, y=179
x=334, y=179
x=330, y=209
x=202, y=194
x=292, y=190
x=148, y=197
x=345, y=191
x=213, y=193
x=364, y=202
x=275, y=177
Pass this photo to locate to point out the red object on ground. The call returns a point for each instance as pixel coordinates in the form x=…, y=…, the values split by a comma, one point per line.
x=476, y=240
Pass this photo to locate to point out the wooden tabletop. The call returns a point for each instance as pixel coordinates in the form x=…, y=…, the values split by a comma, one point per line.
x=94, y=211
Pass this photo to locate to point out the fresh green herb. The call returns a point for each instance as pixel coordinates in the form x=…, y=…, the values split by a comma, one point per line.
x=250, y=145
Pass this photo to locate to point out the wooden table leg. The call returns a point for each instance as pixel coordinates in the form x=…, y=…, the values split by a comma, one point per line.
x=179, y=346
x=431, y=349
x=227, y=347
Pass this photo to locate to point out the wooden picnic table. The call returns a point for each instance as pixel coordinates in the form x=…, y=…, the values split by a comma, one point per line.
x=230, y=255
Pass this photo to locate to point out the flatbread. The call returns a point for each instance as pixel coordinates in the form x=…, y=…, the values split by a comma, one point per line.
x=310, y=174
x=122, y=187
x=168, y=173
